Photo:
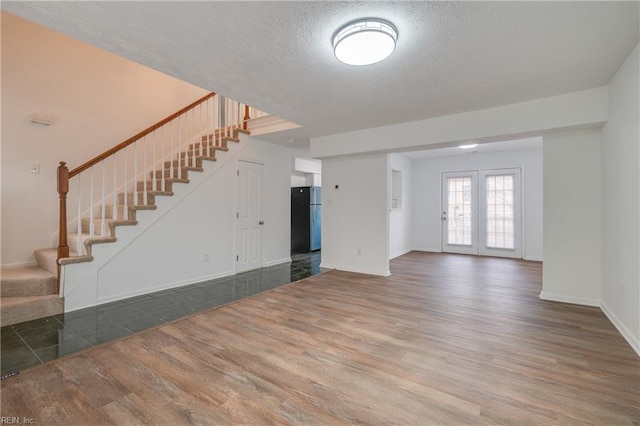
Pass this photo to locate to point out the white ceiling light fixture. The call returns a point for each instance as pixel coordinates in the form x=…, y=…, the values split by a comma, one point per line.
x=472, y=145
x=365, y=41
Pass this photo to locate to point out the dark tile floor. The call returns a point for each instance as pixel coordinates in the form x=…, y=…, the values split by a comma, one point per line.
x=34, y=342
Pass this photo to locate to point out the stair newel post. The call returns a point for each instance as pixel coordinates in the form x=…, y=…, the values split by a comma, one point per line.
x=63, y=189
x=247, y=117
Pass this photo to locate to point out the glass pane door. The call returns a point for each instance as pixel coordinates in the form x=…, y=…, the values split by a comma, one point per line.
x=481, y=213
x=500, y=214
x=459, y=216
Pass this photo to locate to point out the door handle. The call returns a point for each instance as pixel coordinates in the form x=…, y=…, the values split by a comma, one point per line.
x=444, y=216
x=261, y=222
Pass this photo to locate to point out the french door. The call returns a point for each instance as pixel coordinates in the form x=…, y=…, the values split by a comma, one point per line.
x=482, y=213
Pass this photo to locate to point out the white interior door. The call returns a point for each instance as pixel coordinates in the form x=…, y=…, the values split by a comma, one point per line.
x=249, y=219
x=481, y=213
x=459, y=213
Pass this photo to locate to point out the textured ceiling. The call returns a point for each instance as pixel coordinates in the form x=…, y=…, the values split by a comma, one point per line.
x=451, y=56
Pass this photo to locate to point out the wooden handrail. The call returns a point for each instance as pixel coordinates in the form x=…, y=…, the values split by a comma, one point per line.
x=132, y=139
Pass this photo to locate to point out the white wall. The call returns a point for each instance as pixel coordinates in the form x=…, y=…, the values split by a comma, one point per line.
x=621, y=213
x=400, y=228
x=427, y=182
x=168, y=246
x=572, y=218
x=355, y=217
x=98, y=100
x=298, y=180
x=587, y=108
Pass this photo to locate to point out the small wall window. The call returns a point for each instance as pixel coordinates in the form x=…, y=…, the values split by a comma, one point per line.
x=396, y=189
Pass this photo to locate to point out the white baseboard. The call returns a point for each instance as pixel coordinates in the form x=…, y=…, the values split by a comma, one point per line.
x=356, y=270
x=533, y=258
x=177, y=284
x=427, y=249
x=400, y=253
x=569, y=299
x=19, y=264
x=277, y=262
x=626, y=333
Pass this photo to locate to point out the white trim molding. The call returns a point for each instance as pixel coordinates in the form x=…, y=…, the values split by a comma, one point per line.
x=356, y=270
x=633, y=341
x=277, y=262
x=569, y=299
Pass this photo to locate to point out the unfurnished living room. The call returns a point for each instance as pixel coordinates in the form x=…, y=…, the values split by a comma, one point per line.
x=475, y=169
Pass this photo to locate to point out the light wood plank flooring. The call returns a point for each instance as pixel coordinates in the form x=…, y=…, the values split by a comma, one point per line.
x=447, y=339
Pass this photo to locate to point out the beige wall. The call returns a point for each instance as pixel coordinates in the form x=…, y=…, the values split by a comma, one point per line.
x=97, y=99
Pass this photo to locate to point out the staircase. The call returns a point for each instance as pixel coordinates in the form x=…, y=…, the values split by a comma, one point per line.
x=32, y=292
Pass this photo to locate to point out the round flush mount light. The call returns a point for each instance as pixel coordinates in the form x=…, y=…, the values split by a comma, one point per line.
x=365, y=41
x=472, y=145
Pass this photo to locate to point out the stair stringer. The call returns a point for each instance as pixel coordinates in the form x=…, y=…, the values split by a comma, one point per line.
x=83, y=284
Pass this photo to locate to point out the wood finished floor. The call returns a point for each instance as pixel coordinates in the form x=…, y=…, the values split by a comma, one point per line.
x=447, y=339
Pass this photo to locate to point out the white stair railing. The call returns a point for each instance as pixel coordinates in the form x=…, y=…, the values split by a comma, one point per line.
x=107, y=187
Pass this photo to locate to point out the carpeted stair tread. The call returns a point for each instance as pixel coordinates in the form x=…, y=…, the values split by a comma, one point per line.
x=46, y=259
x=27, y=281
x=14, y=310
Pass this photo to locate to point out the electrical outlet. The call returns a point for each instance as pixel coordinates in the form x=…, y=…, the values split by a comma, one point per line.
x=359, y=252
x=206, y=257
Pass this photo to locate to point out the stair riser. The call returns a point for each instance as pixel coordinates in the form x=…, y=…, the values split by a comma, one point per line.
x=25, y=288
x=46, y=259
x=156, y=186
x=98, y=230
x=76, y=246
x=39, y=307
x=166, y=173
x=184, y=163
x=200, y=151
x=130, y=197
x=120, y=213
x=220, y=144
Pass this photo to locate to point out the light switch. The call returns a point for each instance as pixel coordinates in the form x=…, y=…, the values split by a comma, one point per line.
x=35, y=169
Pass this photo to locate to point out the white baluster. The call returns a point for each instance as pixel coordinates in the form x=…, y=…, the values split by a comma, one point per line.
x=208, y=127
x=103, y=229
x=79, y=235
x=154, y=142
x=163, y=182
x=114, y=196
x=200, y=132
x=227, y=112
x=179, y=147
x=144, y=170
x=91, y=206
x=126, y=184
x=193, y=151
x=171, y=168
x=216, y=121
x=135, y=174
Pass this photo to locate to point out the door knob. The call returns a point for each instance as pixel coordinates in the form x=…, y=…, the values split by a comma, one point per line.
x=261, y=222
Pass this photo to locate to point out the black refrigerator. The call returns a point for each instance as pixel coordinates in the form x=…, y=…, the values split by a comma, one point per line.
x=306, y=212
